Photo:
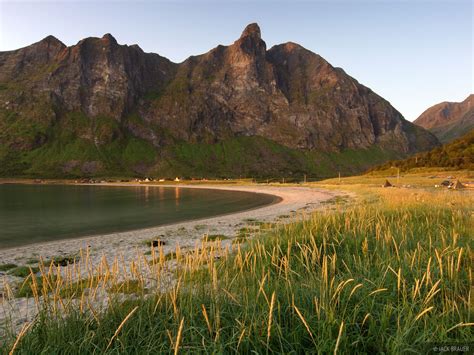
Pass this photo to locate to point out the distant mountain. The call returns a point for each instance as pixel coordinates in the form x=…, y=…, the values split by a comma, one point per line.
x=458, y=154
x=100, y=108
x=449, y=120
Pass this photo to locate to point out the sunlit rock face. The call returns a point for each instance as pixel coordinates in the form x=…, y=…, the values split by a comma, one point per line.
x=287, y=94
x=449, y=120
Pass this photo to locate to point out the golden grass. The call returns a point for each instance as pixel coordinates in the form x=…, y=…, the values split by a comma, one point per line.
x=390, y=270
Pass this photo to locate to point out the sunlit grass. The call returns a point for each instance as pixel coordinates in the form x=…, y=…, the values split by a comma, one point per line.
x=387, y=273
x=415, y=178
x=214, y=237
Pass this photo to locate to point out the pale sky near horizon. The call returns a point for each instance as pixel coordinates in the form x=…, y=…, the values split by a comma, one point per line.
x=413, y=53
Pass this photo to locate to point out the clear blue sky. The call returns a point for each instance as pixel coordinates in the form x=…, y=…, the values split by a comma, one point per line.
x=414, y=53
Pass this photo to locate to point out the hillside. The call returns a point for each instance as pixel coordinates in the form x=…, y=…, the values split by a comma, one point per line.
x=459, y=154
x=99, y=108
x=449, y=120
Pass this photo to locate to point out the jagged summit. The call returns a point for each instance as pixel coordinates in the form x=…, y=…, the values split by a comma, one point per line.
x=52, y=39
x=108, y=37
x=251, y=41
x=289, y=46
x=252, y=30
x=111, y=99
x=47, y=44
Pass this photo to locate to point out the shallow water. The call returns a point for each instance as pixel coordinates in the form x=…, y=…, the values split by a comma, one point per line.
x=37, y=213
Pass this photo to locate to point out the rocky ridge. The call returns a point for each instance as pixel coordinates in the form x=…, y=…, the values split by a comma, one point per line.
x=99, y=107
x=449, y=120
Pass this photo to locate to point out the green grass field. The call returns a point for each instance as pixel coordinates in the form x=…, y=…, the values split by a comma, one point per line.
x=388, y=272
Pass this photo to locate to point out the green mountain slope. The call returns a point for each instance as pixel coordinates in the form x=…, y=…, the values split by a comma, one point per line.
x=449, y=132
x=459, y=154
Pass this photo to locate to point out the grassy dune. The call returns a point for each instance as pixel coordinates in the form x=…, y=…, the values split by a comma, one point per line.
x=390, y=272
x=414, y=178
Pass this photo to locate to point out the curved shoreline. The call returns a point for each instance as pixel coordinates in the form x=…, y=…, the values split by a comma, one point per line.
x=289, y=201
x=274, y=200
x=131, y=246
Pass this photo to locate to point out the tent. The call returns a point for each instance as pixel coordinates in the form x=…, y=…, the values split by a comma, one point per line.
x=387, y=184
x=457, y=185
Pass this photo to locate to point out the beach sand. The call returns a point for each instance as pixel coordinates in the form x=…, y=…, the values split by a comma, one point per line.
x=292, y=203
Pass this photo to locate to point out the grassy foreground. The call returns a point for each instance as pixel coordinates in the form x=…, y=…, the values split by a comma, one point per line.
x=389, y=274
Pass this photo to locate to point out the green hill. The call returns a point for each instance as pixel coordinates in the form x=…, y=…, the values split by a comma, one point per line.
x=458, y=154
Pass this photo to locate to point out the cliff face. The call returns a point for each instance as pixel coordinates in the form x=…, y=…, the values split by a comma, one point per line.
x=449, y=120
x=287, y=94
x=41, y=83
x=97, y=75
x=333, y=109
x=125, y=110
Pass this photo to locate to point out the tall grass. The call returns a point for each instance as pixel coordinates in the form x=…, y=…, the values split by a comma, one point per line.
x=387, y=275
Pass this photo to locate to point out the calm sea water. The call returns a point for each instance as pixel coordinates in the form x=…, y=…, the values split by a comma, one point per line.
x=36, y=213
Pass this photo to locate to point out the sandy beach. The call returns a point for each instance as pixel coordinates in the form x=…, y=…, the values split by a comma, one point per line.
x=290, y=203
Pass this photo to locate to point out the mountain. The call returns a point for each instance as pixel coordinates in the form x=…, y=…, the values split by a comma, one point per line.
x=458, y=154
x=101, y=108
x=449, y=120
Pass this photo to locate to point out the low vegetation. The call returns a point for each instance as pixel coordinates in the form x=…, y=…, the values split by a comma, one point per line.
x=64, y=260
x=458, y=154
x=390, y=273
x=23, y=271
x=214, y=237
x=6, y=267
x=97, y=147
x=261, y=158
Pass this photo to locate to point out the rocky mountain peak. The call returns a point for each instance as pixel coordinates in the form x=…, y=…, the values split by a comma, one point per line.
x=21, y=63
x=449, y=120
x=291, y=46
x=49, y=46
x=136, y=47
x=109, y=93
x=109, y=39
x=51, y=40
x=250, y=42
x=252, y=30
